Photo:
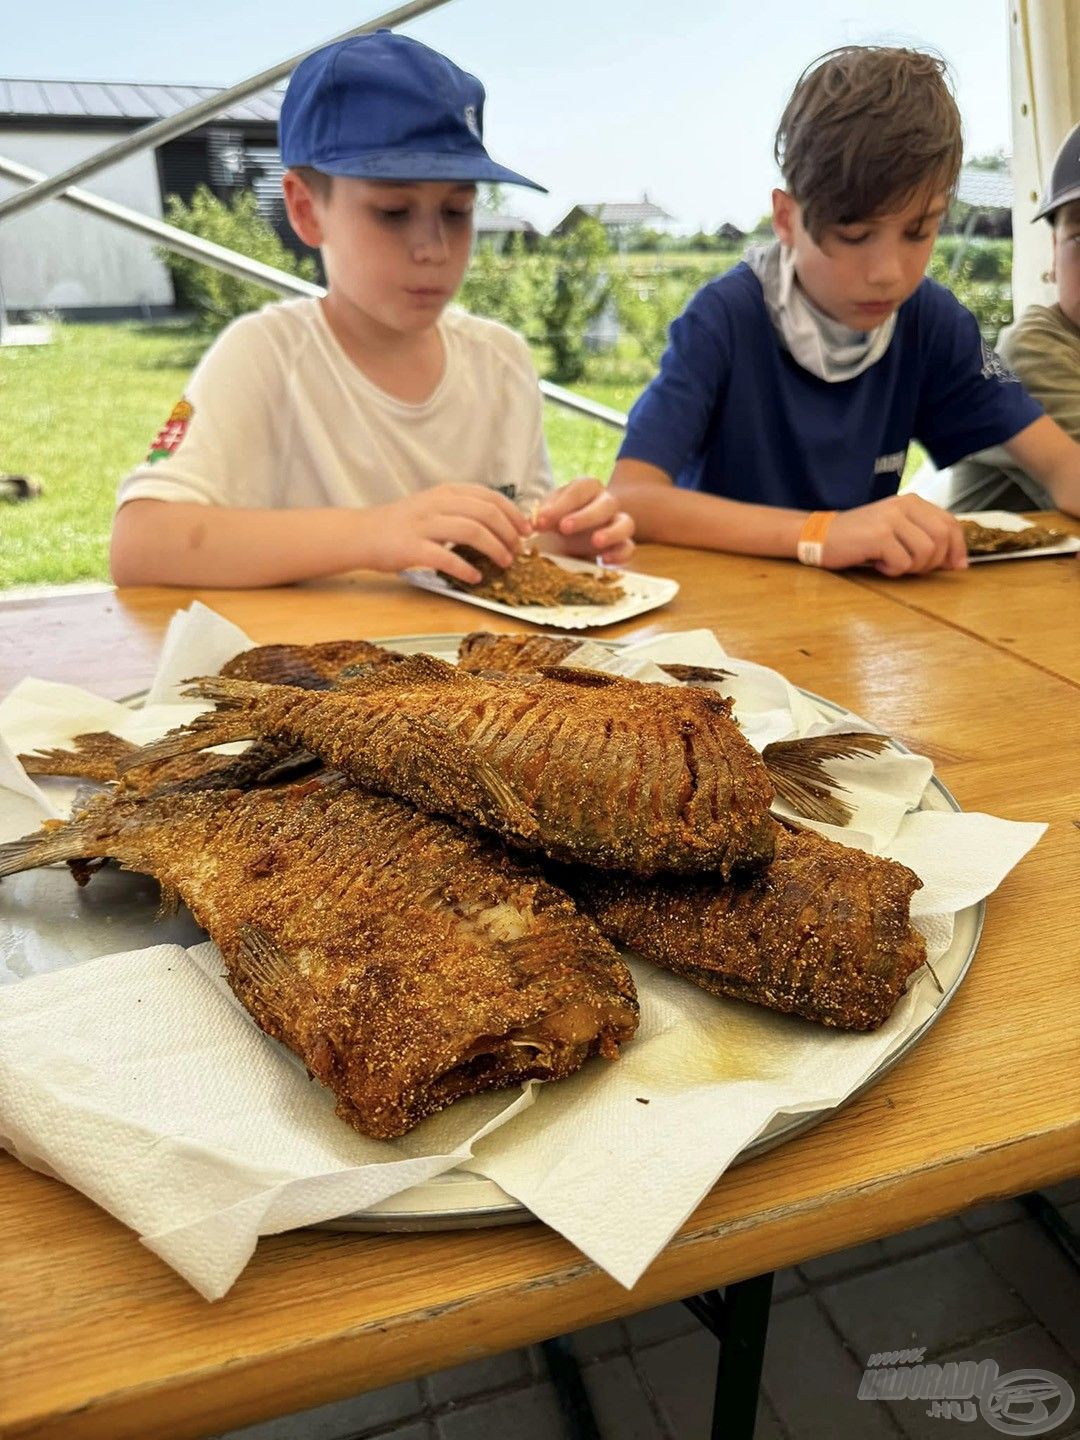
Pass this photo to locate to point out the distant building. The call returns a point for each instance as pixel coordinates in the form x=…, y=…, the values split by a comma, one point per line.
x=54, y=257
x=730, y=233
x=493, y=231
x=620, y=219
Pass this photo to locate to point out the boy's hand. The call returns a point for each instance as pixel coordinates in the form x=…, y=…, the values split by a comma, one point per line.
x=587, y=519
x=418, y=529
x=901, y=535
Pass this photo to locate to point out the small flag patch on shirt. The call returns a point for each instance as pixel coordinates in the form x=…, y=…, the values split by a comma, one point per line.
x=168, y=438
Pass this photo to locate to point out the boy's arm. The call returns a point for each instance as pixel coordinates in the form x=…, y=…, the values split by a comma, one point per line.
x=900, y=535
x=162, y=542
x=1049, y=455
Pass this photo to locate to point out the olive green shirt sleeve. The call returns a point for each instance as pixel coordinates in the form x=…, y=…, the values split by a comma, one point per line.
x=1044, y=350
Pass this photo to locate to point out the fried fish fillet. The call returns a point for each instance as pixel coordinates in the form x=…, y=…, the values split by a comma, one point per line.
x=534, y=579
x=406, y=961
x=310, y=667
x=991, y=540
x=578, y=765
x=824, y=932
x=505, y=654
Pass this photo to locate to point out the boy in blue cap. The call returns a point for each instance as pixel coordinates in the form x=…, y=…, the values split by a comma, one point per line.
x=780, y=420
x=374, y=428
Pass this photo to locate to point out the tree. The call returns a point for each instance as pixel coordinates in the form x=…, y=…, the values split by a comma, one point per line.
x=575, y=287
x=215, y=296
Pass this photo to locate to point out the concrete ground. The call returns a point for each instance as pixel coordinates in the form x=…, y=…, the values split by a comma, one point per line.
x=988, y=1284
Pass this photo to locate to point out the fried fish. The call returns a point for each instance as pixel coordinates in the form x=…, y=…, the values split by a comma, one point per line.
x=824, y=932
x=406, y=961
x=795, y=767
x=310, y=667
x=992, y=540
x=98, y=755
x=505, y=654
x=535, y=579
x=578, y=765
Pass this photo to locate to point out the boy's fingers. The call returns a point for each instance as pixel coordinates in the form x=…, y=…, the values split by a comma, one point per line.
x=461, y=530
x=592, y=516
x=438, y=557
x=565, y=501
x=618, y=554
x=956, y=555
x=619, y=530
x=479, y=509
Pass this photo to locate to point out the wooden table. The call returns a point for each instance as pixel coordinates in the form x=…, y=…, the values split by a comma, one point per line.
x=1035, y=616
x=102, y=1340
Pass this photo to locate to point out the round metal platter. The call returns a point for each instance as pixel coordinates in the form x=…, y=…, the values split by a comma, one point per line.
x=460, y=1200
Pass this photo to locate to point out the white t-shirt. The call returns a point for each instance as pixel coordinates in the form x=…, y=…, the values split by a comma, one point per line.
x=276, y=416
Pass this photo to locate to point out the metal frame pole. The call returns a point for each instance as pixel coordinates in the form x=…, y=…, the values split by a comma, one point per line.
x=173, y=125
x=280, y=281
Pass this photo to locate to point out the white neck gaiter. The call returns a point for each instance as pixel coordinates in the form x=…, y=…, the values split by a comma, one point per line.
x=819, y=344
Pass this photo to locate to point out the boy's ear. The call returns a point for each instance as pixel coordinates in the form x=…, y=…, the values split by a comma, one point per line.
x=783, y=217
x=302, y=208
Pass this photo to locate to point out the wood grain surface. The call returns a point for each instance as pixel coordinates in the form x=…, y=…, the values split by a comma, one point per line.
x=102, y=1340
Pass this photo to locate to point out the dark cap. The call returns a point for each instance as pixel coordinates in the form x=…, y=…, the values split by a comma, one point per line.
x=384, y=107
x=1064, y=182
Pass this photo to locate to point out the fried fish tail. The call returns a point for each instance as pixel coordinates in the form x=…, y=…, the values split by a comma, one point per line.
x=223, y=726
x=62, y=841
x=94, y=756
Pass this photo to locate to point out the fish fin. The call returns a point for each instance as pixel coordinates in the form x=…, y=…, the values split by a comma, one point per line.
x=229, y=694
x=573, y=675
x=202, y=733
x=796, y=769
x=169, y=903
x=259, y=961
x=484, y=774
x=697, y=674
x=57, y=840
x=94, y=755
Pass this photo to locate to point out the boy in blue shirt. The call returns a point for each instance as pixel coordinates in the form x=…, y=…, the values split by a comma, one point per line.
x=780, y=420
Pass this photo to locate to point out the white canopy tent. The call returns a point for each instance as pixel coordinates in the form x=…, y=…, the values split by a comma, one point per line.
x=1044, y=78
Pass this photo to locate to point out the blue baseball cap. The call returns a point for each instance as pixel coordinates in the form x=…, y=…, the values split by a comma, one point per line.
x=384, y=107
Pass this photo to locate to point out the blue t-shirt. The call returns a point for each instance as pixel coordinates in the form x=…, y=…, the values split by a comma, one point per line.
x=731, y=413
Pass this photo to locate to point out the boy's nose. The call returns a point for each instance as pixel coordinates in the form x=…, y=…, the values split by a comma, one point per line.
x=884, y=268
x=429, y=241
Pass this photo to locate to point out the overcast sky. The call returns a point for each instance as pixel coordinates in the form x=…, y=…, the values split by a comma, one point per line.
x=597, y=99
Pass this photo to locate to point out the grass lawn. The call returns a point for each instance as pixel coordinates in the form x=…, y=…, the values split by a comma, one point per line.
x=79, y=413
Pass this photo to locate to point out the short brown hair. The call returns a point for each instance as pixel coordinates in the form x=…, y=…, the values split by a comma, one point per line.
x=316, y=180
x=867, y=128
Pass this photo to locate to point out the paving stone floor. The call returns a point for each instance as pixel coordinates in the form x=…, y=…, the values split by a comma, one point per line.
x=988, y=1284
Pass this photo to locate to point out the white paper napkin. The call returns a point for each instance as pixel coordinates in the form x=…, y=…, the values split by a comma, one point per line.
x=139, y=1079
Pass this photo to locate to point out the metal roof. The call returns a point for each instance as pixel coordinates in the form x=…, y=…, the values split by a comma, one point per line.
x=632, y=213
x=123, y=102
x=986, y=189
x=487, y=223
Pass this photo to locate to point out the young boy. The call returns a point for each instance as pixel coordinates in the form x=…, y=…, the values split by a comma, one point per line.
x=1043, y=347
x=793, y=384
x=374, y=428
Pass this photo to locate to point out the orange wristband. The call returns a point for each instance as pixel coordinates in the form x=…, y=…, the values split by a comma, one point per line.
x=811, y=543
